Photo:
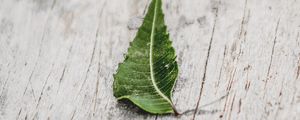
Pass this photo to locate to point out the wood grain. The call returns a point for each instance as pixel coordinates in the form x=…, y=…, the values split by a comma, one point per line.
x=239, y=59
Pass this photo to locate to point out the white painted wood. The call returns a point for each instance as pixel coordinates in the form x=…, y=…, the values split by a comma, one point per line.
x=57, y=58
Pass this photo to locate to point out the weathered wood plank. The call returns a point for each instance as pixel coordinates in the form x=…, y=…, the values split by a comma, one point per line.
x=239, y=59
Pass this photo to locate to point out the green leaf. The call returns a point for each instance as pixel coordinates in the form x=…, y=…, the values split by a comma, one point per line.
x=149, y=71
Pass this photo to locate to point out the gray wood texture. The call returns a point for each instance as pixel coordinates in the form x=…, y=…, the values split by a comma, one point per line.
x=239, y=59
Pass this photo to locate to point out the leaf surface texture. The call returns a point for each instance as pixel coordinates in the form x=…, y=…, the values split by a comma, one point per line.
x=149, y=71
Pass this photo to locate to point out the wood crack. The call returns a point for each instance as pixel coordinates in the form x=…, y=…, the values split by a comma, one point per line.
x=206, y=62
x=36, y=63
x=243, y=21
x=61, y=78
x=231, y=107
x=272, y=54
x=90, y=63
x=298, y=68
x=44, y=85
x=73, y=115
x=222, y=66
x=99, y=63
x=29, y=82
x=94, y=48
x=98, y=76
x=19, y=113
x=97, y=88
x=39, y=52
x=64, y=69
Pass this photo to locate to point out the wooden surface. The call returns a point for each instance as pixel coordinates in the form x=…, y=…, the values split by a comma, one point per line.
x=239, y=59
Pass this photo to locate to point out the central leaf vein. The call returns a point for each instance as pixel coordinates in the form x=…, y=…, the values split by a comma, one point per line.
x=151, y=55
